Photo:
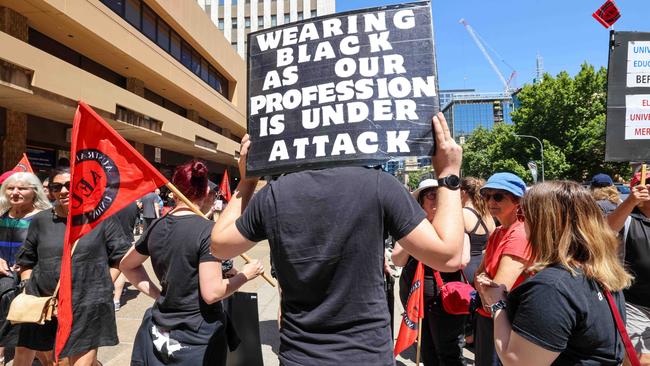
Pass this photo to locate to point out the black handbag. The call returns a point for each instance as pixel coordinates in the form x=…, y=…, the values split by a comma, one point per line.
x=9, y=288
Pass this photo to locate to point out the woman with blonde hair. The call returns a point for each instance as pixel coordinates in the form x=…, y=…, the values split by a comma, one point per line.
x=605, y=193
x=561, y=314
x=21, y=197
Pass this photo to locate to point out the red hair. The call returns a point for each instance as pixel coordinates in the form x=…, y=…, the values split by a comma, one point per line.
x=191, y=179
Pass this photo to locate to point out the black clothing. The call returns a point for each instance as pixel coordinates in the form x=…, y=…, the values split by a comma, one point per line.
x=177, y=245
x=477, y=242
x=606, y=206
x=484, y=352
x=567, y=314
x=637, y=259
x=148, y=208
x=326, y=232
x=127, y=218
x=92, y=291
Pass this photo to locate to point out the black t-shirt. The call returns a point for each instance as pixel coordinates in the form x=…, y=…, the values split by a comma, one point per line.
x=126, y=218
x=637, y=259
x=326, y=230
x=148, y=208
x=567, y=314
x=176, y=245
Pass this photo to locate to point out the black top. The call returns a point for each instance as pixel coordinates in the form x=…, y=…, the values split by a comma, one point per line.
x=567, y=314
x=430, y=286
x=606, y=206
x=477, y=242
x=148, y=208
x=325, y=229
x=637, y=259
x=92, y=290
x=126, y=217
x=177, y=244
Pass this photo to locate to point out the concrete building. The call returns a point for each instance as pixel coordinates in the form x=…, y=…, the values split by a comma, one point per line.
x=237, y=18
x=467, y=111
x=159, y=71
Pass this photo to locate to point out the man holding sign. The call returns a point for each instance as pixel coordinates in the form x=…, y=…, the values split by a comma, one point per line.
x=325, y=228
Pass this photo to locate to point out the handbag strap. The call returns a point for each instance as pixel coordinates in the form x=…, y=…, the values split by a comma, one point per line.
x=439, y=281
x=58, y=283
x=629, y=348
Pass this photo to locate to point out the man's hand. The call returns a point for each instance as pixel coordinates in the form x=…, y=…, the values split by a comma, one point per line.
x=4, y=268
x=449, y=155
x=243, y=156
x=639, y=194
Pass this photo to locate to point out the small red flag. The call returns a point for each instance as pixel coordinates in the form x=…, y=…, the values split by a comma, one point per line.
x=23, y=165
x=224, y=187
x=607, y=14
x=408, y=331
x=107, y=174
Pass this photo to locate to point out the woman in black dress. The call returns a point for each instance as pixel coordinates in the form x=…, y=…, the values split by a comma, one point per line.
x=93, y=269
x=187, y=324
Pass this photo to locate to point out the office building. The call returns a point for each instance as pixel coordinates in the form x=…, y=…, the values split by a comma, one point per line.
x=159, y=71
x=467, y=111
x=237, y=18
x=446, y=95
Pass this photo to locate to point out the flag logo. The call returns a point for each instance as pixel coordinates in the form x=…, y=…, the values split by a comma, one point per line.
x=607, y=14
x=96, y=188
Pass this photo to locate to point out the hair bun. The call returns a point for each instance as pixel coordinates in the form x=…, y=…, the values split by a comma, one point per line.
x=199, y=170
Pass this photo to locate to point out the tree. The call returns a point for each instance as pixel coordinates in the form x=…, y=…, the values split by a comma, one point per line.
x=566, y=114
x=417, y=176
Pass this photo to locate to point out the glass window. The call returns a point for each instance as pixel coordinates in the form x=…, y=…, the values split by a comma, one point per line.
x=212, y=77
x=234, y=23
x=300, y=15
x=247, y=22
x=221, y=24
x=274, y=20
x=175, y=47
x=204, y=70
x=287, y=18
x=260, y=21
x=149, y=23
x=196, y=63
x=132, y=12
x=114, y=5
x=313, y=13
x=234, y=46
x=186, y=55
x=163, y=35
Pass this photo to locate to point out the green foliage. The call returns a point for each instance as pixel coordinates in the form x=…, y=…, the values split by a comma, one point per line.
x=417, y=176
x=567, y=114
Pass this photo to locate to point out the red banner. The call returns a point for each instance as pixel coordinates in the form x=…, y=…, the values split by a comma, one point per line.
x=224, y=187
x=23, y=165
x=106, y=175
x=607, y=14
x=408, y=331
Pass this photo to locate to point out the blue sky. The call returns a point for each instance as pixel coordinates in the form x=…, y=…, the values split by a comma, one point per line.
x=561, y=31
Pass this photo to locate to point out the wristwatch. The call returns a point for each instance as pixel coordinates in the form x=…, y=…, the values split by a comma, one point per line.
x=501, y=304
x=451, y=181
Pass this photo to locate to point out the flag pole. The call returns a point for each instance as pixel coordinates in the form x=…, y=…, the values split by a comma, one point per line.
x=643, y=174
x=419, y=346
x=196, y=210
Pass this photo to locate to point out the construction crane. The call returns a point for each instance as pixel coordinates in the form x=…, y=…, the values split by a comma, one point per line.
x=481, y=45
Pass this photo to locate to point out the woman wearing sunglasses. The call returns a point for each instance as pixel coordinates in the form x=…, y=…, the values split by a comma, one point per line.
x=21, y=197
x=94, y=264
x=561, y=315
x=506, y=255
x=442, y=333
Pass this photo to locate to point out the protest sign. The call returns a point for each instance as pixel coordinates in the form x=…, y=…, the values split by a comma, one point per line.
x=351, y=88
x=628, y=97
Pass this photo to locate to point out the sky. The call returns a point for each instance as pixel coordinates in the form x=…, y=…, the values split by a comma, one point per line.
x=562, y=32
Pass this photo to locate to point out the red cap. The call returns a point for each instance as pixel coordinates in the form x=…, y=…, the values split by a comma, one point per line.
x=5, y=175
x=637, y=178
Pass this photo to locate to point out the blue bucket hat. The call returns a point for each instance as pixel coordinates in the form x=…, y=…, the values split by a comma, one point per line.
x=601, y=180
x=508, y=182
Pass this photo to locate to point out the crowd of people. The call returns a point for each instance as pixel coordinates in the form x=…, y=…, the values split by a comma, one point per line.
x=554, y=265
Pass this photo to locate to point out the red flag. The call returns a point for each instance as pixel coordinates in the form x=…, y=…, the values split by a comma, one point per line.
x=408, y=331
x=607, y=14
x=107, y=174
x=23, y=165
x=224, y=187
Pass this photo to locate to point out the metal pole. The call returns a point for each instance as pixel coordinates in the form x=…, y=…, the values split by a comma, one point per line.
x=541, y=148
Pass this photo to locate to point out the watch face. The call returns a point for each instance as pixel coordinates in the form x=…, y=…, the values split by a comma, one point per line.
x=453, y=181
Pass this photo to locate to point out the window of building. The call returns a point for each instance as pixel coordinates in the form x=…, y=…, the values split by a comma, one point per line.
x=234, y=46
x=313, y=13
x=186, y=55
x=287, y=18
x=115, y=5
x=204, y=70
x=274, y=20
x=132, y=12
x=234, y=23
x=247, y=22
x=220, y=24
x=260, y=22
x=163, y=35
x=196, y=63
x=175, y=46
x=149, y=23
x=300, y=15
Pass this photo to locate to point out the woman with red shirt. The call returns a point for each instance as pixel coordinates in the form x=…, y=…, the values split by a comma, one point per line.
x=506, y=256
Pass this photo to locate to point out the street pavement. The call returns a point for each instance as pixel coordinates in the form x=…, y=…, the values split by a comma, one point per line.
x=134, y=304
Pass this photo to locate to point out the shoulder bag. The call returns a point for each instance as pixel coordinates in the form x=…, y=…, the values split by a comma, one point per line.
x=457, y=298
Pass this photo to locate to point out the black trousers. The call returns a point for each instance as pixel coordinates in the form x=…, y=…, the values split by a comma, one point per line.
x=484, y=352
x=443, y=336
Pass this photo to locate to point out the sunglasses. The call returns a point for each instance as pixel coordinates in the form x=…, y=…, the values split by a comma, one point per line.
x=497, y=197
x=57, y=187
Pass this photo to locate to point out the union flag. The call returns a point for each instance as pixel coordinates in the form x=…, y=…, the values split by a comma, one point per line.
x=607, y=14
x=106, y=174
x=408, y=330
x=224, y=187
x=23, y=165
